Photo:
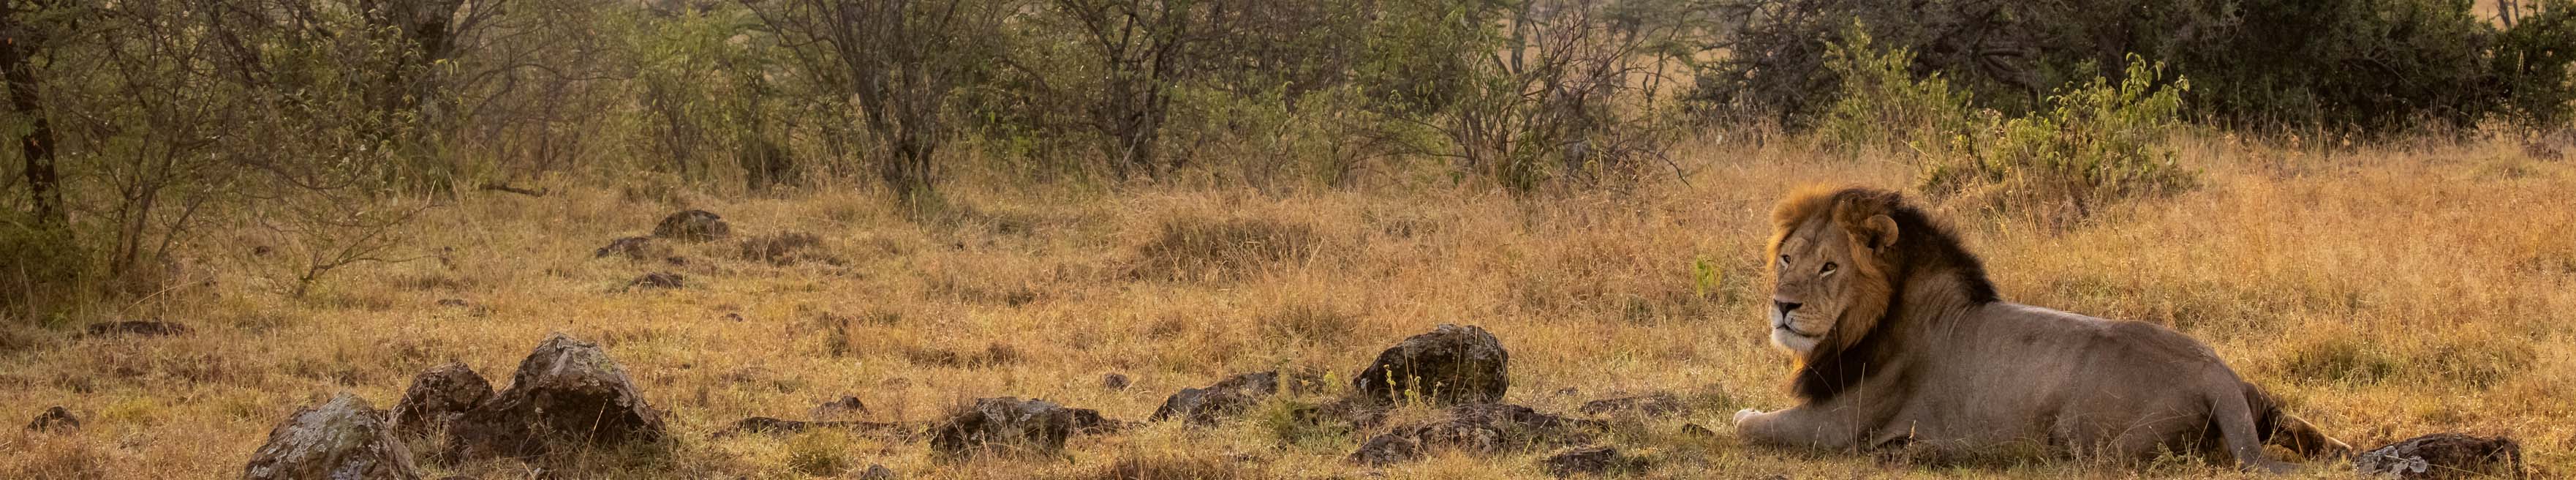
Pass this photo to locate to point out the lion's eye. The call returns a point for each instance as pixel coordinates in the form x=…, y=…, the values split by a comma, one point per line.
x=1784, y=260
x=1829, y=268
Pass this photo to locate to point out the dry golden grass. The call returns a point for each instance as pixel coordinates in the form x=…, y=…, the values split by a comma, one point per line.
x=2384, y=293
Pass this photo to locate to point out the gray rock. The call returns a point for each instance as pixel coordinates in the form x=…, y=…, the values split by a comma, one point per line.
x=1450, y=365
x=568, y=395
x=2444, y=455
x=1594, y=460
x=1114, y=381
x=342, y=439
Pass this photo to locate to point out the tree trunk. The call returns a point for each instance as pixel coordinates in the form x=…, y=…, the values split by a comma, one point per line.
x=37, y=146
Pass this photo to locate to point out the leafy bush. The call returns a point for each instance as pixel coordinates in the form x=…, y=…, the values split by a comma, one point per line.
x=2092, y=145
x=41, y=270
x=2536, y=61
x=1881, y=104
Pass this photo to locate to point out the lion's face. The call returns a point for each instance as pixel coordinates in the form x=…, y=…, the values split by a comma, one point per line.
x=1829, y=283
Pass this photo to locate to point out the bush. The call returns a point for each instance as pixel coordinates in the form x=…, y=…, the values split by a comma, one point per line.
x=1881, y=104
x=2093, y=145
x=42, y=271
x=2366, y=66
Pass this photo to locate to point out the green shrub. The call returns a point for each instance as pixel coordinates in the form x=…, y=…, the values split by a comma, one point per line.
x=2090, y=146
x=42, y=271
x=1882, y=104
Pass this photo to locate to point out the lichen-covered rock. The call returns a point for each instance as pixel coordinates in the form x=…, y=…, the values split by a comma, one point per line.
x=343, y=438
x=1478, y=428
x=2444, y=455
x=1449, y=365
x=567, y=395
x=438, y=397
x=1225, y=399
x=693, y=226
x=56, y=419
x=1009, y=425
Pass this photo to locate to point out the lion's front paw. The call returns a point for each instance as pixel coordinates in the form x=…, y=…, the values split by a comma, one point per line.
x=1740, y=415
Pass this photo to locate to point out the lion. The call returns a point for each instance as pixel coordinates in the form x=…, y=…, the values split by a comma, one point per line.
x=1904, y=346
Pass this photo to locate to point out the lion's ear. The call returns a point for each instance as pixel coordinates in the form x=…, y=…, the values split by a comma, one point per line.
x=1878, y=232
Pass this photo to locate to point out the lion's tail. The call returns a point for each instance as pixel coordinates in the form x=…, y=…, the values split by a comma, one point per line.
x=2277, y=427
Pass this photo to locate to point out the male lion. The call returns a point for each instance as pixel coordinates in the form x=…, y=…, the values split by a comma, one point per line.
x=1903, y=344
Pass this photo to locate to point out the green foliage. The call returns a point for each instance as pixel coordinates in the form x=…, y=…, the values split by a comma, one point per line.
x=2366, y=66
x=2536, y=61
x=43, y=272
x=1706, y=276
x=1881, y=103
x=2092, y=145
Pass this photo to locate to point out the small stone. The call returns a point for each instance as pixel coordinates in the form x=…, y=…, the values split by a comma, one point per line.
x=1597, y=460
x=733, y=317
x=144, y=328
x=657, y=280
x=340, y=439
x=1114, y=381
x=846, y=405
x=54, y=419
x=453, y=302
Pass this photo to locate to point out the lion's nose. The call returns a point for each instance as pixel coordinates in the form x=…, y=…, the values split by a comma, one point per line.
x=1785, y=307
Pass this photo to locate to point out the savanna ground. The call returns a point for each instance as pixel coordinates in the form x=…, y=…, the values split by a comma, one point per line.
x=2385, y=292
